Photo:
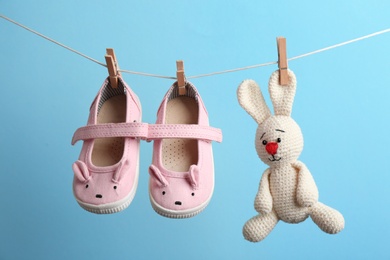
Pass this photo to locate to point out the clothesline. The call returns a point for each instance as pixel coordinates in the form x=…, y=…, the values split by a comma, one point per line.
x=200, y=75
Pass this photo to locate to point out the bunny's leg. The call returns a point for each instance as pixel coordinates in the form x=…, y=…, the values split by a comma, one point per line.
x=258, y=227
x=327, y=219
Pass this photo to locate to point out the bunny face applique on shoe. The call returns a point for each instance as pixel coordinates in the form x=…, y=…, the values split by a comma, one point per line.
x=103, y=191
x=287, y=190
x=177, y=195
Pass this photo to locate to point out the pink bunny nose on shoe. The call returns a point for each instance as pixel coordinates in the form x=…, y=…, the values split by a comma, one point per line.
x=271, y=148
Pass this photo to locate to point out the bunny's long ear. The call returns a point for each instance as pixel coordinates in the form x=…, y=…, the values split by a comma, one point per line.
x=81, y=171
x=156, y=174
x=120, y=171
x=282, y=96
x=251, y=99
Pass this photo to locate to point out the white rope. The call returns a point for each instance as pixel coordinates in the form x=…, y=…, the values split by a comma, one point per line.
x=53, y=41
x=147, y=74
x=295, y=57
x=79, y=53
x=339, y=44
x=233, y=70
x=200, y=75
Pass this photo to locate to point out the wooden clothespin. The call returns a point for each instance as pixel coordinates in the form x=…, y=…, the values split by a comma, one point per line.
x=113, y=67
x=282, y=61
x=181, y=80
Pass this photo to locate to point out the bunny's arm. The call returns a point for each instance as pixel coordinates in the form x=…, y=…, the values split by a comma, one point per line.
x=263, y=200
x=307, y=192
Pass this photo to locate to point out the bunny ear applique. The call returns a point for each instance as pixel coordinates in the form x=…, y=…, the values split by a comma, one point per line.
x=81, y=171
x=252, y=100
x=194, y=176
x=157, y=175
x=282, y=96
x=120, y=171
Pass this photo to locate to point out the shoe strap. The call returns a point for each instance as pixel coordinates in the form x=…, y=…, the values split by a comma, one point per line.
x=186, y=131
x=133, y=130
x=148, y=131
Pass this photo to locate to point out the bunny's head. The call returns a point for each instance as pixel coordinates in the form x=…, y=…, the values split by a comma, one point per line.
x=279, y=139
x=179, y=191
x=98, y=188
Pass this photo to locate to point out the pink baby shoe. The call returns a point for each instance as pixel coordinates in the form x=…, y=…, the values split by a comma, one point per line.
x=182, y=172
x=106, y=173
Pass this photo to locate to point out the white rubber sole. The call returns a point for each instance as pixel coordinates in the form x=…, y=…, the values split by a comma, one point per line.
x=178, y=213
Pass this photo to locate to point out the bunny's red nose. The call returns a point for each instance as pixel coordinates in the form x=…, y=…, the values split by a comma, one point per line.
x=271, y=148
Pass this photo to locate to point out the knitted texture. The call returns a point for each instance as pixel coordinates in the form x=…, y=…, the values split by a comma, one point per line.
x=287, y=190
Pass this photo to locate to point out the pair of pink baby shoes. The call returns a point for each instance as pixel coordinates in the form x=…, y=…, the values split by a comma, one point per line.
x=181, y=179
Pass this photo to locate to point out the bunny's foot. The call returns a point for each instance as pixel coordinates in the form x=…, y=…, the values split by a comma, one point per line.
x=327, y=219
x=258, y=227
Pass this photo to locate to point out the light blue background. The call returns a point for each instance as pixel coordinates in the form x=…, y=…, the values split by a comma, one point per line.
x=342, y=105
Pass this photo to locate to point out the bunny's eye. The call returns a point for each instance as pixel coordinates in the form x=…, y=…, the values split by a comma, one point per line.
x=278, y=140
x=264, y=142
x=163, y=193
x=115, y=187
x=86, y=186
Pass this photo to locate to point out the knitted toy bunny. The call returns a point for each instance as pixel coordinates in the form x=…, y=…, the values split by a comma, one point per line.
x=287, y=190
